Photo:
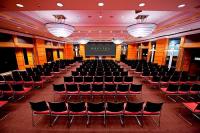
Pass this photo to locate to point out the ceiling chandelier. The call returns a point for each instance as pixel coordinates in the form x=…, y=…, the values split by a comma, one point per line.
x=141, y=29
x=59, y=28
x=117, y=41
x=83, y=41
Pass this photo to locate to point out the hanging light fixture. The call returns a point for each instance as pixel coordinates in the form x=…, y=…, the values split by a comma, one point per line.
x=117, y=41
x=83, y=41
x=59, y=28
x=141, y=29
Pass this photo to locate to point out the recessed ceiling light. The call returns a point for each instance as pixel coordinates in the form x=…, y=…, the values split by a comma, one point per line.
x=142, y=4
x=19, y=5
x=100, y=4
x=181, y=5
x=100, y=16
x=60, y=4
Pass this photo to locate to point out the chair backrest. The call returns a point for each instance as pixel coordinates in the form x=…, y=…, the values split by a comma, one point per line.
x=68, y=79
x=78, y=79
x=88, y=79
x=8, y=78
x=156, y=78
x=84, y=87
x=118, y=79
x=123, y=87
x=108, y=73
x=58, y=106
x=124, y=73
x=153, y=107
x=195, y=87
x=108, y=79
x=71, y=87
x=36, y=77
x=110, y=87
x=2, y=78
x=75, y=73
x=128, y=79
x=76, y=106
x=165, y=78
x=96, y=107
x=98, y=79
x=184, y=87
x=17, y=87
x=29, y=71
x=58, y=87
x=115, y=106
x=173, y=87
x=26, y=78
x=136, y=87
x=134, y=107
x=39, y=106
x=5, y=87
x=97, y=87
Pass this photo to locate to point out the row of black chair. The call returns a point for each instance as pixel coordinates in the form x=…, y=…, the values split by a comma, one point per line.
x=105, y=109
x=97, y=89
x=12, y=91
x=99, y=79
x=99, y=73
x=181, y=90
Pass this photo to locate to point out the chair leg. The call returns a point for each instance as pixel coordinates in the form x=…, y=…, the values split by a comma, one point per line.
x=70, y=121
x=121, y=120
x=138, y=121
x=104, y=120
x=88, y=120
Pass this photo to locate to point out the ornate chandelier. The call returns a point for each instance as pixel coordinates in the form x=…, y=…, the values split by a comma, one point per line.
x=83, y=41
x=59, y=28
x=117, y=41
x=141, y=29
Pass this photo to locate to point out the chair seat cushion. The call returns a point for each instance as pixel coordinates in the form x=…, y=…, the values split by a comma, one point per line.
x=192, y=106
x=150, y=113
x=47, y=112
x=59, y=113
x=2, y=103
x=26, y=89
x=96, y=113
x=132, y=113
x=114, y=113
x=78, y=113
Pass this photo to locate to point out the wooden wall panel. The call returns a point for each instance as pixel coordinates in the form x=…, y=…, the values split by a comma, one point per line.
x=30, y=57
x=40, y=52
x=82, y=51
x=149, y=52
x=118, y=52
x=20, y=58
x=55, y=57
x=184, y=57
x=161, y=51
x=132, y=52
x=68, y=51
x=61, y=54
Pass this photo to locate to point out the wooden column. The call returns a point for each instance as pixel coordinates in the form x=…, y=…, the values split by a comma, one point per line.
x=149, y=52
x=161, y=51
x=132, y=52
x=40, y=52
x=55, y=57
x=82, y=50
x=179, y=63
x=118, y=52
x=68, y=51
